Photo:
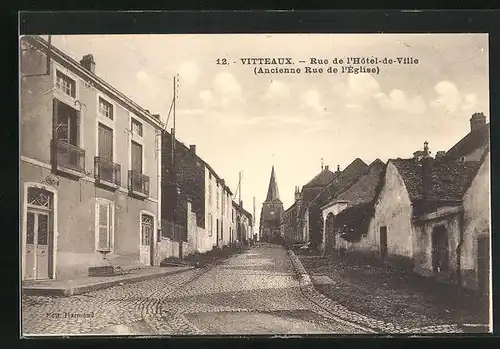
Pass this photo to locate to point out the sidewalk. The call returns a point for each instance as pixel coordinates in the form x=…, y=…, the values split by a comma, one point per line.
x=88, y=284
x=405, y=299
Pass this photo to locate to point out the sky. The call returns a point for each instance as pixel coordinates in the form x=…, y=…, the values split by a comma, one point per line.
x=245, y=122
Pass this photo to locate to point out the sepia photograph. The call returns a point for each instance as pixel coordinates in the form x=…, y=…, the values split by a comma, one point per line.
x=254, y=184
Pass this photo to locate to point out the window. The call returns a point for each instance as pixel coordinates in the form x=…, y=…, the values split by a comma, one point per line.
x=66, y=84
x=210, y=192
x=210, y=224
x=223, y=203
x=136, y=157
x=104, y=224
x=105, y=108
x=217, y=192
x=105, y=143
x=66, y=123
x=136, y=127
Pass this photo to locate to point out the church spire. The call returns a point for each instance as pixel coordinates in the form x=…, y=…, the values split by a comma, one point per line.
x=272, y=191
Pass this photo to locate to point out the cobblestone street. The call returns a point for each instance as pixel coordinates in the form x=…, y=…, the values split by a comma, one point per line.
x=256, y=292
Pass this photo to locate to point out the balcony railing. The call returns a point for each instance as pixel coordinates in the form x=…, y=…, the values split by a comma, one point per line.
x=173, y=231
x=138, y=184
x=68, y=157
x=107, y=172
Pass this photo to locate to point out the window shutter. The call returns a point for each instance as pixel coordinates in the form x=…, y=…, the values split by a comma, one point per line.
x=103, y=226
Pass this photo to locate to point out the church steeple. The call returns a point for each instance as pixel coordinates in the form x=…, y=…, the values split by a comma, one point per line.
x=272, y=191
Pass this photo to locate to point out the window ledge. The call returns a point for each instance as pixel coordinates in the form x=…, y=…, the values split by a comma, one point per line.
x=138, y=194
x=105, y=183
x=71, y=172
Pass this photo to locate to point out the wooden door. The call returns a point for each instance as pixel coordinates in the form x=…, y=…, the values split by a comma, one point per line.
x=105, y=152
x=136, y=156
x=439, y=249
x=147, y=225
x=383, y=242
x=38, y=240
x=483, y=264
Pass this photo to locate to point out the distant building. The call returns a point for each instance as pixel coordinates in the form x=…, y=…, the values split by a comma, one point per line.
x=352, y=208
x=243, y=224
x=272, y=209
x=314, y=221
x=296, y=221
x=196, y=202
x=89, y=168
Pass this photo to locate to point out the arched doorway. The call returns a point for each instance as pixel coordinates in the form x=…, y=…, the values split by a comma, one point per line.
x=329, y=234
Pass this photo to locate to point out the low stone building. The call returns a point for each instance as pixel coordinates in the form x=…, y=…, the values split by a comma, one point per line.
x=353, y=208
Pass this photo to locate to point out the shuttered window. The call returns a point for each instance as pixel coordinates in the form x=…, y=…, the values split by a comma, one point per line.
x=104, y=225
x=105, y=143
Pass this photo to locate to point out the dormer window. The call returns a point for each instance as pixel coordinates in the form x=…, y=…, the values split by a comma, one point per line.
x=66, y=84
x=136, y=127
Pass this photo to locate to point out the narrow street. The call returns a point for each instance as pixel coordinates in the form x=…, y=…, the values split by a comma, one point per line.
x=252, y=293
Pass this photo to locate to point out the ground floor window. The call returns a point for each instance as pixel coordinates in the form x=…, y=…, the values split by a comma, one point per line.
x=104, y=224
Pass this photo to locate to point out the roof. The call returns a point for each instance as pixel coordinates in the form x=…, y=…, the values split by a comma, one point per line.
x=294, y=206
x=364, y=188
x=341, y=180
x=241, y=209
x=474, y=140
x=450, y=179
x=212, y=171
x=321, y=179
x=272, y=191
x=85, y=73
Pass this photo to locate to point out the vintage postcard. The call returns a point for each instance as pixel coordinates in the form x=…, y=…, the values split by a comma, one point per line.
x=150, y=168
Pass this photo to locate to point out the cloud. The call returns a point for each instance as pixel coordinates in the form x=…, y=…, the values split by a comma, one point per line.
x=226, y=92
x=399, y=100
x=364, y=88
x=277, y=89
x=311, y=100
x=470, y=101
x=189, y=72
x=449, y=97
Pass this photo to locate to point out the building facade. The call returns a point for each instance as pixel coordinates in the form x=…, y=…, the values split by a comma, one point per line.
x=88, y=168
x=243, y=224
x=196, y=201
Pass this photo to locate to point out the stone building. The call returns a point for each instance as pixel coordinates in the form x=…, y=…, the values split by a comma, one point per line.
x=270, y=216
x=196, y=205
x=243, y=224
x=89, y=168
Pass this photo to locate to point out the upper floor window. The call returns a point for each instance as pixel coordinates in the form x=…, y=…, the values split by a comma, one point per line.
x=210, y=192
x=217, y=193
x=66, y=84
x=136, y=127
x=105, y=108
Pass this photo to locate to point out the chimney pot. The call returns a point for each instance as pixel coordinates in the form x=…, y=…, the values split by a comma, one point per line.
x=192, y=147
x=477, y=120
x=326, y=167
x=88, y=62
x=338, y=168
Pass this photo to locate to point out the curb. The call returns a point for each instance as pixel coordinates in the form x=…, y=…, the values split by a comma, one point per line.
x=361, y=321
x=75, y=290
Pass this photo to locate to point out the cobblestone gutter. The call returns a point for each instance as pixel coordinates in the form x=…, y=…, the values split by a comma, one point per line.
x=338, y=310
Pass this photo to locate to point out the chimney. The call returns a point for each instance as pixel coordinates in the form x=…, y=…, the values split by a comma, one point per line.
x=321, y=164
x=476, y=121
x=192, y=147
x=297, y=193
x=427, y=192
x=338, y=168
x=326, y=167
x=440, y=154
x=88, y=63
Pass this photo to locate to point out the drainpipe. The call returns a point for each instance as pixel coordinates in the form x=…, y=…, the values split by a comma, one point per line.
x=158, y=189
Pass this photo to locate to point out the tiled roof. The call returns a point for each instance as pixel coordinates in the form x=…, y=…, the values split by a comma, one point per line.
x=472, y=141
x=341, y=180
x=450, y=179
x=321, y=179
x=363, y=189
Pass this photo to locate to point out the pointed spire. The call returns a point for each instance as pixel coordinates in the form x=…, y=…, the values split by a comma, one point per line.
x=272, y=191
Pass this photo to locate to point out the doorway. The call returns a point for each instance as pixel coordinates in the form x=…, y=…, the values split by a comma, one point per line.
x=39, y=234
x=147, y=226
x=330, y=236
x=439, y=249
x=483, y=264
x=383, y=242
